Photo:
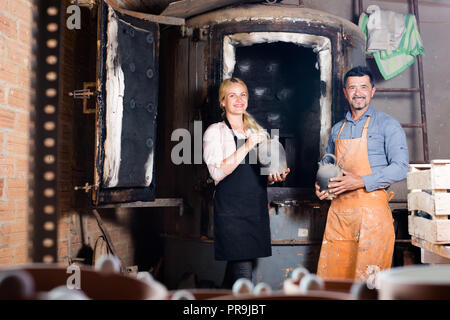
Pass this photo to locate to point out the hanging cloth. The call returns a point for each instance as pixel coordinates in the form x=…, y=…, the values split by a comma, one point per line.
x=393, y=54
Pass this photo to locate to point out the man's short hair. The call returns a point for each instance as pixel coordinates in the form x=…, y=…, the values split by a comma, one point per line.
x=359, y=71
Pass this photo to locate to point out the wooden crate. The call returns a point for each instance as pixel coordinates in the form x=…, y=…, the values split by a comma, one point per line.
x=435, y=175
x=439, y=249
x=428, y=186
x=432, y=258
x=435, y=231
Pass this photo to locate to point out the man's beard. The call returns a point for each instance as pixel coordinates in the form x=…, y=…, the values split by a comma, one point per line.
x=358, y=107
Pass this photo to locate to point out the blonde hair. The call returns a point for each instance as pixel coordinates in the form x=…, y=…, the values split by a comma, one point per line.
x=249, y=121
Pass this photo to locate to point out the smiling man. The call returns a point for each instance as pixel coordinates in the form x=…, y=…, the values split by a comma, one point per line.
x=371, y=146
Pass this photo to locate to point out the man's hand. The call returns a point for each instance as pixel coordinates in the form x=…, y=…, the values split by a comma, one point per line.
x=278, y=177
x=348, y=182
x=322, y=195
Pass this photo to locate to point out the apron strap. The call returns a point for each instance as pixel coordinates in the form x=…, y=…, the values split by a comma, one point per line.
x=391, y=194
x=235, y=138
x=364, y=133
x=366, y=125
x=342, y=128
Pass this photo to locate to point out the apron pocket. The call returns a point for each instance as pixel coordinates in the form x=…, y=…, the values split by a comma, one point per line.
x=344, y=225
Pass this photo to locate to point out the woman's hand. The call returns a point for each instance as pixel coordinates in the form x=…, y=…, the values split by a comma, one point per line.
x=278, y=177
x=255, y=138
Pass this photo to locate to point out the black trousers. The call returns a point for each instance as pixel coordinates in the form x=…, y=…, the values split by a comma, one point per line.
x=236, y=270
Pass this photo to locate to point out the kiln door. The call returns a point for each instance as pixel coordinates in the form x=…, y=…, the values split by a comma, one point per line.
x=126, y=108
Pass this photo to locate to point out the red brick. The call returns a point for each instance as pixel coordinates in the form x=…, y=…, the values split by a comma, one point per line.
x=23, y=79
x=5, y=229
x=6, y=211
x=6, y=207
x=6, y=166
x=21, y=259
x=6, y=261
x=8, y=71
x=20, y=9
x=21, y=205
x=2, y=48
x=6, y=252
x=4, y=240
x=17, y=145
x=22, y=123
x=8, y=27
x=21, y=168
x=20, y=226
x=25, y=36
x=17, y=53
x=7, y=118
x=19, y=98
x=4, y=5
x=17, y=189
x=21, y=250
x=18, y=238
x=63, y=252
x=21, y=214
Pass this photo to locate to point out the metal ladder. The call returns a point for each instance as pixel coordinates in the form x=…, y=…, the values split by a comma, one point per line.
x=421, y=89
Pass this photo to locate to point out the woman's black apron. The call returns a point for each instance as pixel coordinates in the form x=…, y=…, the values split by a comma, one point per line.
x=241, y=214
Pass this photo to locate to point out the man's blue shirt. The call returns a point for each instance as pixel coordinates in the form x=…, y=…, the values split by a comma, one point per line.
x=386, y=146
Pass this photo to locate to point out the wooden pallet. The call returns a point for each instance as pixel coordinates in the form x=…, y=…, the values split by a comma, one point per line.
x=428, y=186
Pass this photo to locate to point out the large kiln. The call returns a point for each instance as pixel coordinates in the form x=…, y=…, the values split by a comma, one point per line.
x=293, y=60
x=154, y=79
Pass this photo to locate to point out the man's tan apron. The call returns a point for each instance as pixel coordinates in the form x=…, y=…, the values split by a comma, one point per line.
x=359, y=234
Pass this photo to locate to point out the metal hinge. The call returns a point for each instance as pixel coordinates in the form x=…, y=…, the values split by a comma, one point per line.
x=85, y=94
x=84, y=3
x=186, y=31
x=201, y=34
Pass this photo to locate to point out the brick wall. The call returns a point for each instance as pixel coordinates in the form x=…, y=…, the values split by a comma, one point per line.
x=15, y=90
x=77, y=151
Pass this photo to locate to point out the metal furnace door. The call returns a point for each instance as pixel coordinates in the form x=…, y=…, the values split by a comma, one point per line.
x=127, y=102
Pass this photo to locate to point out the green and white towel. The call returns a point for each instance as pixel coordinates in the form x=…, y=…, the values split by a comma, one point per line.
x=392, y=62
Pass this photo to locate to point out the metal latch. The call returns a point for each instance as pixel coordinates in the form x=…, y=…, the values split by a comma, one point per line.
x=85, y=94
x=87, y=187
x=283, y=203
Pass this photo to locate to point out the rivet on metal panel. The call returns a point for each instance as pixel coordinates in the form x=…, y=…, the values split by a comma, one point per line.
x=149, y=107
x=132, y=104
x=149, y=73
x=204, y=33
x=149, y=38
x=149, y=142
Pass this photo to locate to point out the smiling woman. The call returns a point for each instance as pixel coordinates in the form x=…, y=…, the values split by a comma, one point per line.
x=241, y=217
